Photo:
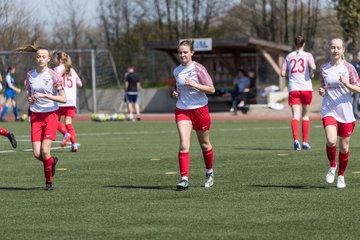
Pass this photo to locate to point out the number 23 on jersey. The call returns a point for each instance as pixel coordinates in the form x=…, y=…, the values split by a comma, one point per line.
x=297, y=65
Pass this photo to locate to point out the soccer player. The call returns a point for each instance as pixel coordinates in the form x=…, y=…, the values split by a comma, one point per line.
x=338, y=79
x=10, y=136
x=299, y=66
x=70, y=83
x=44, y=90
x=192, y=84
x=10, y=94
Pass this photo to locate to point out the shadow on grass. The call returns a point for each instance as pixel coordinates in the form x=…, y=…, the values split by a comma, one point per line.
x=20, y=188
x=143, y=187
x=291, y=186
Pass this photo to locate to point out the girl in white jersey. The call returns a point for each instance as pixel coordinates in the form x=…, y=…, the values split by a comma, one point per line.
x=70, y=82
x=338, y=79
x=44, y=90
x=192, y=84
x=299, y=66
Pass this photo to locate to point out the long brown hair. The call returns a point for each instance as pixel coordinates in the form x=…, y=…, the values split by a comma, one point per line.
x=65, y=59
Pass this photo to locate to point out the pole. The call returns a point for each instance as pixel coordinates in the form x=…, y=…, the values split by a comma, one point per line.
x=93, y=77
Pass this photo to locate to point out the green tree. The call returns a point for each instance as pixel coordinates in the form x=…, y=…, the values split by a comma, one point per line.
x=348, y=12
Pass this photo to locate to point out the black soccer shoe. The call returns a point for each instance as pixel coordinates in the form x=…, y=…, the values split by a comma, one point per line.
x=49, y=186
x=54, y=166
x=12, y=140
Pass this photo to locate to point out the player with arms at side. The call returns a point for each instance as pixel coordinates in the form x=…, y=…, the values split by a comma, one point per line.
x=338, y=78
x=45, y=91
x=192, y=84
x=10, y=94
x=299, y=66
x=70, y=83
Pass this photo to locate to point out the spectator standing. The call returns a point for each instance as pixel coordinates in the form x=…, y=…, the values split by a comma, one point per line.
x=132, y=86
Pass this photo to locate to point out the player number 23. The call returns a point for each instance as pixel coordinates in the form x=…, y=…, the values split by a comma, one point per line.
x=297, y=65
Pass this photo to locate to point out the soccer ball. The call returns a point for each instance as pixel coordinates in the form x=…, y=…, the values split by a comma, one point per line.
x=24, y=117
x=121, y=117
x=94, y=117
x=101, y=117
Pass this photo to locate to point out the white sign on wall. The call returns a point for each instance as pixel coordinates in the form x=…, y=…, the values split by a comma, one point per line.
x=201, y=44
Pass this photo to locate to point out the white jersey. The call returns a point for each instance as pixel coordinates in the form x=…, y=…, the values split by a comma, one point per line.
x=69, y=83
x=297, y=64
x=189, y=97
x=48, y=82
x=337, y=101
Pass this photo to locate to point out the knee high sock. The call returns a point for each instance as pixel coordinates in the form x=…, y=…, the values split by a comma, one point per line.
x=305, y=130
x=3, y=132
x=343, y=162
x=15, y=111
x=331, y=154
x=295, y=129
x=48, y=169
x=184, y=163
x=71, y=130
x=208, y=159
x=61, y=128
x=4, y=111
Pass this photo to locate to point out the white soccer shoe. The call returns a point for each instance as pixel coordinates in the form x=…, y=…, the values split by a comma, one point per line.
x=341, y=182
x=209, y=180
x=330, y=175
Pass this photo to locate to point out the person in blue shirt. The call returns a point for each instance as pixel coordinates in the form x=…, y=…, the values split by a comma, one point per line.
x=356, y=95
x=242, y=86
x=10, y=94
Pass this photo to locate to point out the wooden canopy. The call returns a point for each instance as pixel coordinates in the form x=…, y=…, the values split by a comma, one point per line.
x=229, y=55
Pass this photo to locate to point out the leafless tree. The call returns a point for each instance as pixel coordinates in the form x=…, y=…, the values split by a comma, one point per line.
x=16, y=26
x=69, y=23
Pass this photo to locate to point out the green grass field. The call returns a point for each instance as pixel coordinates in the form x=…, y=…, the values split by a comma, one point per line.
x=121, y=185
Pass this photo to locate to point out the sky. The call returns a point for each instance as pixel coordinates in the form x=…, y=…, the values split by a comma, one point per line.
x=45, y=9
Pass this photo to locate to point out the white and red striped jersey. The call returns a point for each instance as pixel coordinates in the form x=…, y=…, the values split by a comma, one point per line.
x=297, y=65
x=189, y=97
x=69, y=84
x=337, y=101
x=48, y=82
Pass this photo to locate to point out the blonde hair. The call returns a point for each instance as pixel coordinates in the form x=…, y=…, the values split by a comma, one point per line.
x=65, y=59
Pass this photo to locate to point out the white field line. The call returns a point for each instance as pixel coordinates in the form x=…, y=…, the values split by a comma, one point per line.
x=26, y=138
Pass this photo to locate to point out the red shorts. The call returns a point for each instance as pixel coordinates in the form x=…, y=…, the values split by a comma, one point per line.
x=199, y=117
x=67, y=111
x=43, y=126
x=343, y=129
x=300, y=97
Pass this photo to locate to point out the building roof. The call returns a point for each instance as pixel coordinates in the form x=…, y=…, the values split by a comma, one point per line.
x=246, y=44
